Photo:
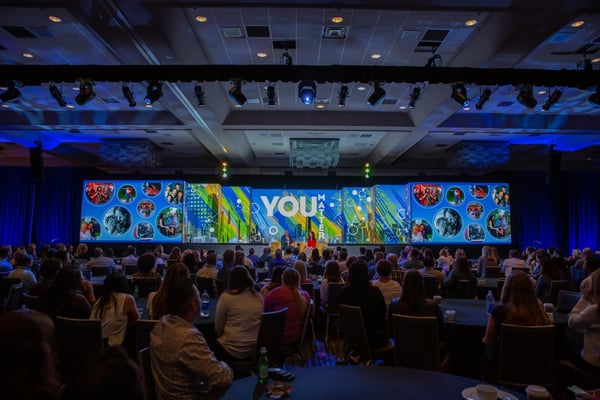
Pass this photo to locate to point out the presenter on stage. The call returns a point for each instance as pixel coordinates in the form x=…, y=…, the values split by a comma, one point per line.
x=287, y=240
x=311, y=242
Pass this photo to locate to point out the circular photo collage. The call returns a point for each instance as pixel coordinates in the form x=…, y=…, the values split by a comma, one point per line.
x=498, y=223
x=427, y=195
x=143, y=231
x=474, y=233
x=501, y=196
x=89, y=229
x=168, y=221
x=447, y=222
x=146, y=208
x=455, y=196
x=126, y=194
x=117, y=221
x=151, y=189
x=421, y=230
x=99, y=193
x=174, y=193
x=479, y=191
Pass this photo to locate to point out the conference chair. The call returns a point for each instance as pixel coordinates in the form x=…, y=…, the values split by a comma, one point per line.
x=143, y=360
x=299, y=347
x=130, y=269
x=492, y=272
x=77, y=340
x=270, y=335
x=331, y=309
x=207, y=284
x=145, y=285
x=416, y=341
x=432, y=286
x=29, y=301
x=556, y=287
x=13, y=300
x=143, y=327
x=465, y=289
x=567, y=300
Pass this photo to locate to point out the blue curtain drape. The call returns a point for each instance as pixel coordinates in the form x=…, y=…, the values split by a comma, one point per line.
x=16, y=205
x=583, y=210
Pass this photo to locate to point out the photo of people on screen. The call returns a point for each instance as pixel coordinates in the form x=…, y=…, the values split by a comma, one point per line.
x=498, y=224
x=174, y=193
x=475, y=210
x=143, y=231
x=168, y=221
x=117, y=221
x=447, y=222
x=90, y=229
x=421, y=231
x=479, y=191
x=455, y=196
x=501, y=196
x=126, y=194
x=146, y=208
x=474, y=233
x=151, y=189
x=99, y=192
x=427, y=195
x=287, y=240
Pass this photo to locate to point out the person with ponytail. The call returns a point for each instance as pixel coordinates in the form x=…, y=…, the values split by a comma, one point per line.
x=289, y=295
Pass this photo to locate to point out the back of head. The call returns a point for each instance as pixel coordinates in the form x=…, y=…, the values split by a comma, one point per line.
x=98, y=252
x=462, y=264
x=518, y=294
x=211, y=258
x=358, y=275
x=189, y=260
x=228, y=257
x=332, y=271
x=180, y=297
x=240, y=280
x=49, y=268
x=175, y=273
x=25, y=260
x=146, y=262
x=291, y=278
x=384, y=268
x=414, y=253
x=131, y=250
x=115, y=282
x=413, y=291
x=276, y=276
x=300, y=266
x=514, y=253
x=239, y=257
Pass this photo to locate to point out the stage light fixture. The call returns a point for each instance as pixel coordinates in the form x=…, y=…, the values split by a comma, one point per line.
x=459, y=94
x=414, y=96
x=86, y=92
x=525, y=96
x=10, y=94
x=153, y=92
x=236, y=93
x=307, y=91
x=377, y=96
x=286, y=59
x=199, y=93
x=367, y=170
x=271, y=97
x=552, y=99
x=342, y=95
x=485, y=96
x=56, y=93
x=595, y=97
x=128, y=94
x=224, y=169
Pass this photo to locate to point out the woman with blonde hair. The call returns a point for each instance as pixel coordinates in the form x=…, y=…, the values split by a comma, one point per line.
x=300, y=266
x=487, y=259
x=157, y=301
x=289, y=295
x=174, y=256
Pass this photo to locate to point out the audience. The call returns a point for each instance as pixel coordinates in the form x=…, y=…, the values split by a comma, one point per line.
x=273, y=283
x=461, y=271
x=209, y=270
x=48, y=271
x=146, y=264
x=513, y=261
x=586, y=316
x=23, y=272
x=388, y=287
x=413, y=300
x=300, y=266
x=65, y=296
x=157, y=301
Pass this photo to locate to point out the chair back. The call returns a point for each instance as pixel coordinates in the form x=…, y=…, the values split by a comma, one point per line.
x=333, y=292
x=492, y=272
x=13, y=300
x=5, y=285
x=207, y=284
x=270, y=334
x=146, y=285
x=308, y=288
x=416, y=342
x=352, y=329
x=526, y=355
x=431, y=284
x=77, y=340
x=567, y=300
x=555, y=287
x=220, y=286
x=30, y=302
x=500, y=286
x=131, y=269
x=100, y=271
x=261, y=276
x=143, y=327
x=308, y=314
x=464, y=289
x=522, y=269
x=143, y=360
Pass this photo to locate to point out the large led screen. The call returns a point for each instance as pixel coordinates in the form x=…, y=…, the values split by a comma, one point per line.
x=359, y=217
x=392, y=214
x=114, y=211
x=460, y=213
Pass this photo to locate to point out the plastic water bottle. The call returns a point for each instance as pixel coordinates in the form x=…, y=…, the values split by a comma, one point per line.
x=136, y=291
x=205, y=305
x=263, y=366
x=489, y=302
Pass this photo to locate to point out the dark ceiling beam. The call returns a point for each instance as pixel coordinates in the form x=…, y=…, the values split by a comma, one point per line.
x=38, y=74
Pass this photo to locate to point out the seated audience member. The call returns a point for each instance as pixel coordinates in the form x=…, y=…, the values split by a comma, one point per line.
x=68, y=296
x=100, y=260
x=300, y=266
x=265, y=258
x=228, y=262
x=429, y=271
x=238, y=316
x=332, y=275
x=115, y=308
x=289, y=295
x=513, y=261
x=487, y=259
x=413, y=301
x=81, y=253
x=146, y=263
x=131, y=258
x=388, y=287
x=413, y=261
x=23, y=272
x=548, y=272
x=277, y=261
x=209, y=270
x=48, y=271
x=110, y=374
x=189, y=259
x=174, y=256
x=460, y=272
x=5, y=265
x=360, y=293
x=586, y=316
x=444, y=260
x=372, y=264
x=183, y=365
x=157, y=301
x=519, y=306
x=273, y=283
x=28, y=368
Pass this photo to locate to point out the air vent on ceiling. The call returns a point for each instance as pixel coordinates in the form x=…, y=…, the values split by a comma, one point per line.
x=505, y=103
x=389, y=102
x=258, y=31
x=42, y=32
x=110, y=100
x=436, y=35
x=365, y=135
x=334, y=32
x=233, y=32
x=167, y=143
x=18, y=31
x=284, y=44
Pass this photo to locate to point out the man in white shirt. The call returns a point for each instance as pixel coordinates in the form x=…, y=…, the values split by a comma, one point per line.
x=23, y=272
x=131, y=258
x=513, y=261
x=388, y=287
x=99, y=260
x=209, y=270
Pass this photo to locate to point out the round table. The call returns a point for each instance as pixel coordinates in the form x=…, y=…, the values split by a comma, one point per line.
x=353, y=382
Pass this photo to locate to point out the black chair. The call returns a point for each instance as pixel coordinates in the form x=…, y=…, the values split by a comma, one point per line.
x=143, y=327
x=432, y=286
x=352, y=329
x=261, y=276
x=143, y=360
x=555, y=288
x=145, y=285
x=522, y=269
x=30, y=302
x=526, y=356
x=5, y=285
x=77, y=340
x=100, y=271
x=332, y=309
x=207, y=284
x=220, y=286
x=13, y=300
x=492, y=272
x=131, y=269
x=270, y=335
x=465, y=289
x=416, y=341
x=298, y=348
x=567, y=300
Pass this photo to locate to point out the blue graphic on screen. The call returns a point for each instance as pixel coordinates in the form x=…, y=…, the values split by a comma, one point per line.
x=359, y=217
x=297, y=211
x=114, y=211
x=201, y=212
x=460, y=213
x=392, y=214
x=235, y=217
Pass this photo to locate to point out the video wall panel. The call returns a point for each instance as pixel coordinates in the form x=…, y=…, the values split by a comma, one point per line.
x=392, y=214
x=201, y=212
x=359, y=218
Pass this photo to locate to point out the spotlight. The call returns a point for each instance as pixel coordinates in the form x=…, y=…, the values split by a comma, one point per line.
x=86, y=92
x=236, y=93
x=199, y=93
x=153, y=92
x=553, y=98
x=56, y=93
x=224, y=169
x=128, y=94
x=377, y=96
x=271, y=98
x=307, y=91
x=595, y=97
x=285, y=59
x=10, y=94
x=367, y=170
x=459, y=94
x=433, y=61
x=414, y=96
x=343, y=94
x=525, y=96
x=485, y=96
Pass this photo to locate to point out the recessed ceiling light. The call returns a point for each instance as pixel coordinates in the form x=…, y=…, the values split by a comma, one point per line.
x=54, y=18
x=238, y=106
x=337, y=20
x=148, y=105
x=467, y=109
x=320, y=106
x=201, y=18
x=471, y=22
x=375, y=56
x=542, y=91
x=70, y=106
x=27, y=55
x=5, y=106
x=361, y=88
x=578, y=23
x=595, y=60
x=76, y=88
x=403, y=107
x=261, y=54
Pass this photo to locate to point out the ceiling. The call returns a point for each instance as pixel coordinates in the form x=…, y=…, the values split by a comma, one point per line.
x=437, y=137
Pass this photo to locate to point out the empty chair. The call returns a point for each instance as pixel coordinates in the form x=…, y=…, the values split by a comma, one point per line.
x=100, y=271
x=556, y=287
x=567, y=300
x=130, y=269
x=143, y=327
x=270, y=334
x=13, y=300
x=332, y=309
x=416, y=342
x=526, y=355
x=207, y=284
x=77, y=340
x=352, y=329
x=29, y=301
x=145, y=285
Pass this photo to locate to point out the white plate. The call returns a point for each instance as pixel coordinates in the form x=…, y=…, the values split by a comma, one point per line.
x=470, y=393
